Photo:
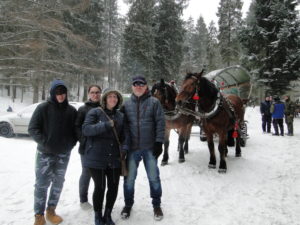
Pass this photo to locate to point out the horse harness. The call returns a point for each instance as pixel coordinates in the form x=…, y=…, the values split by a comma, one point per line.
x=219, y=103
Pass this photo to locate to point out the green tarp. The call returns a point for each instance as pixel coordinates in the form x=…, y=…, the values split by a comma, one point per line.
x=232, y=80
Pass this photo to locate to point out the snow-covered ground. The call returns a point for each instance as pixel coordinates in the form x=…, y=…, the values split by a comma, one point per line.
x=261, y=187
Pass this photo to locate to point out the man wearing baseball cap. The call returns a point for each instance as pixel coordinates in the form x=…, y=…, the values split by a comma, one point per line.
x=144, y=127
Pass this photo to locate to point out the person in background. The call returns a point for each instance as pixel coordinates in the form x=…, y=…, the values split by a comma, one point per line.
x=266, y=115
x=289, y=114
x=173, y=84
x=144, y=127
x=102, y=154
x=52, y=127
x=277, y=110
x=9, y=109
x=94, y=97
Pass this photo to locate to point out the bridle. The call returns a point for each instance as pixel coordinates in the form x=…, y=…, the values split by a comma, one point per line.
x=201, y=113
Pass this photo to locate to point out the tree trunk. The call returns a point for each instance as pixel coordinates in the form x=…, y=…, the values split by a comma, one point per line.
x=85, y=82
x=22, y=94
x=35, y=98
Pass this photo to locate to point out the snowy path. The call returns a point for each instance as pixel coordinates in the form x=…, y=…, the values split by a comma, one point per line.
x=261, y=187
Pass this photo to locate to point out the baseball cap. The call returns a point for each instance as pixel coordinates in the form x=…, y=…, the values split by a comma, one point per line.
x=139, y=79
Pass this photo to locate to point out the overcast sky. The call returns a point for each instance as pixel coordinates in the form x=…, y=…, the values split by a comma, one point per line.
x=206, y=8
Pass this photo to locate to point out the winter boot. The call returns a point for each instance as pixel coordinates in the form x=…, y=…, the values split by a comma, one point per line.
x=107, y=217
x=158, y=214
x=125, y=214
x=99, y=218
x=39, y=220
x=52, y=217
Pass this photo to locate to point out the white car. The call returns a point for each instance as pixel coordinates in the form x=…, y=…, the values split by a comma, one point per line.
x=17, y=123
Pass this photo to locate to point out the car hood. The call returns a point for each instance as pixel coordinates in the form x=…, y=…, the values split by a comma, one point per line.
x=8, y=116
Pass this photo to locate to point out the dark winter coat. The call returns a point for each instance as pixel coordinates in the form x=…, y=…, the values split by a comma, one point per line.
x=144, y=122
x=82, y=111
x=277, y=110
x=290, y=108
x=102, y=149
x=52, y=124
x=265, y=108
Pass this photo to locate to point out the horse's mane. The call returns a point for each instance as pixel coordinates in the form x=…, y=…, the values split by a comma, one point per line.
x=189, y=75
x=205, y=85
x=166, y=89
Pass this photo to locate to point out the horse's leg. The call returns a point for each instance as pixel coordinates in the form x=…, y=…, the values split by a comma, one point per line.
x=181, y=151
x=187, y=138
x=238, y=152
x=222, y=151
x=166, y=148
x=211, y=147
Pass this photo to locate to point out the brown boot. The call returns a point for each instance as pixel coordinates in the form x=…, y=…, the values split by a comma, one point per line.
x=39, y=220
x=52, y=217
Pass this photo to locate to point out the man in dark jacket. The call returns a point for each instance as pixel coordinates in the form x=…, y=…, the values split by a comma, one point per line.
x=52, y=126
x=266, y=115
x=289, y=114
x=277, y=110
x=144, y=127
x=94, y=95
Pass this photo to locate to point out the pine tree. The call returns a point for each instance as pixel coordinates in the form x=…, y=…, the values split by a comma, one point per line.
x=272, y=40
x=200, y=42
x=139, y=40
x=230, y=20
x=168, y=39
x=111, y=44
x=213, y=55
x=188, y=65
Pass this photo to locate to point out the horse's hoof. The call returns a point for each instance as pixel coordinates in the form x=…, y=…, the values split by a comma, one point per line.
x=222, y=170
x=238, y=154
x=164, y=163
x=211, y=166
x=181, y=160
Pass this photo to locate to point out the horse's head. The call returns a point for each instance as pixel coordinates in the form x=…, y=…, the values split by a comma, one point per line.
x=197, y=88
x=188, y=87
x=165, y=93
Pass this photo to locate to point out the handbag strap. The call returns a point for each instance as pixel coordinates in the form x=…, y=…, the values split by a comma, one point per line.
x=114, y=129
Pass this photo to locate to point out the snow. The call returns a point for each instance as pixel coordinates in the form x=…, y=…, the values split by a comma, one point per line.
x=261, y=187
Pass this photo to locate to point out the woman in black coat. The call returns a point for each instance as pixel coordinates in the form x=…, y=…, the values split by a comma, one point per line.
x=102, y=152
x=94, y=95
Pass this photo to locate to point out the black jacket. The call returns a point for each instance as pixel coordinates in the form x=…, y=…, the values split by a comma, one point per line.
x=265, y=108
x=52, y=124
x=144, y=122
x=52, y=127
x=82, y=111
x=102, y=149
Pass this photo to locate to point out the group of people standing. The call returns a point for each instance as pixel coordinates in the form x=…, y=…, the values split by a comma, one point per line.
x=275, y=111
x=107, y=131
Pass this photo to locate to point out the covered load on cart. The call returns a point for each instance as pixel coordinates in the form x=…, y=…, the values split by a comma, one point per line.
x=232, y=80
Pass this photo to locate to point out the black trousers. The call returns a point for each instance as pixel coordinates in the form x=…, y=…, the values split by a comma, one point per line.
x=266, y=123
x=100, y=176
x=278, y=123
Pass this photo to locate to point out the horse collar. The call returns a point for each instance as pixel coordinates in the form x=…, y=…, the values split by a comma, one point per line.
x=215, y=108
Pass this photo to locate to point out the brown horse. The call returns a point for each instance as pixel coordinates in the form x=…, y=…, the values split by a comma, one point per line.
x=218, y=113
x=166, y=94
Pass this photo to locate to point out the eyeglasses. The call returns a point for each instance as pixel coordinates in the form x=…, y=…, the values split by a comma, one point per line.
x=138, y=84
x=95, y=92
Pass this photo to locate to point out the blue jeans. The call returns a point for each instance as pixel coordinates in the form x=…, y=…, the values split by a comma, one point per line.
x=49, y=170
x=84, y=182
x=152, y=170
